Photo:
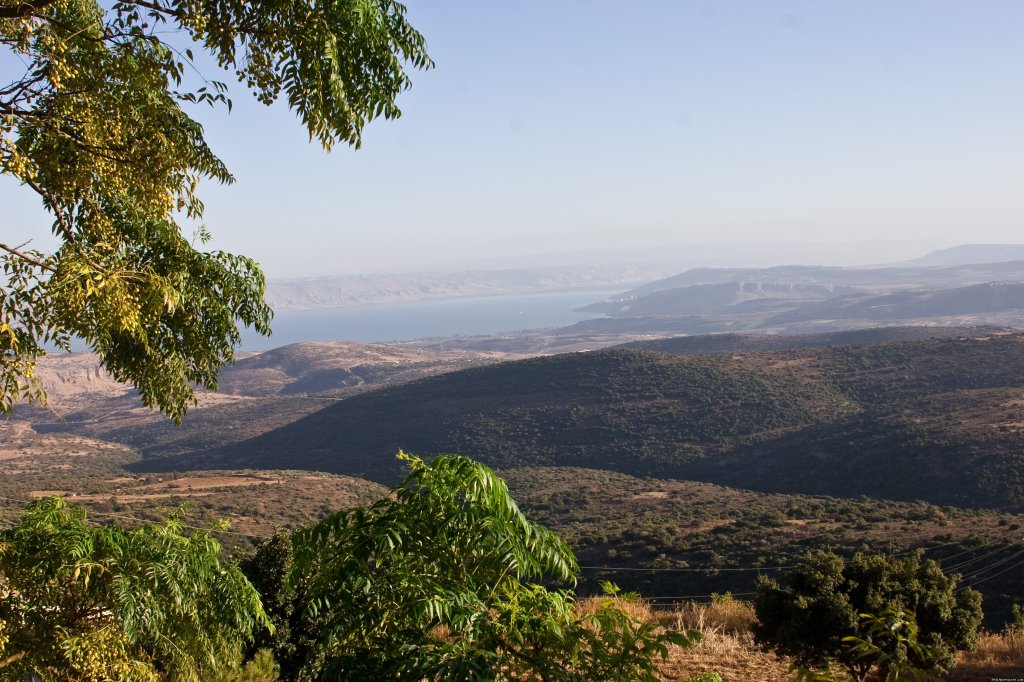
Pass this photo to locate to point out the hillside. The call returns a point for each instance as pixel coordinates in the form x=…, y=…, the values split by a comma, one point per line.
x=978, y=299
x=92, y=472
x=668, y=538
x=710, y=298
x=329, y=367
x=634, y=411
x=259, y=393
x=708, y=344
x=938, y=420
x=903, y=276
x=808, y=299
x=965, y=254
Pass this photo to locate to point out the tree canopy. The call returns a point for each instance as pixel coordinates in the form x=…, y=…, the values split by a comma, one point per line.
x=444, y=580
x=86, y=602
x=818, y=609
x=95, y=125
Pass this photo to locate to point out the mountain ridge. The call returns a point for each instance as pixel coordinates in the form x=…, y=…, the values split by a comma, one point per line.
x=739, y=420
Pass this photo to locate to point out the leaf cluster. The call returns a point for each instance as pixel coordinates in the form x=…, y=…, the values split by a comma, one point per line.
x=816, y=613
x=444, y=580
x=85, y=602
x=95, y=126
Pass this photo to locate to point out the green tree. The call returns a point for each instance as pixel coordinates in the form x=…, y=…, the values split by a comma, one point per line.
x=889, y=642
x=86, y=602
x=442, y=581
x=270, y=568
x=821, y=602
x=94, y=125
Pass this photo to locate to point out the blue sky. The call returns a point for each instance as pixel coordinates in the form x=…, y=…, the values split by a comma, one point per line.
x=557, y=126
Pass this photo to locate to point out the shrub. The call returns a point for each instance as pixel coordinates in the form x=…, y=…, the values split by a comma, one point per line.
x=823, y=598
x=80, y=601
x=445, y=580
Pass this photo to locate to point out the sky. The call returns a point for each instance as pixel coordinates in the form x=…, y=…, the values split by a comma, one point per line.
x=872, y=130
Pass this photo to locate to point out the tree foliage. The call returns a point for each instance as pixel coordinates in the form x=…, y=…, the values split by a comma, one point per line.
x=86, y=602
x=822, y=601
x=95, y=126
x=887, y=642
x=270, y=568
x=444, y=581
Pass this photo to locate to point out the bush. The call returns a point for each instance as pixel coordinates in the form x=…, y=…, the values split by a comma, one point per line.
x=447, y=580
x=79, y=601
x=823, y=599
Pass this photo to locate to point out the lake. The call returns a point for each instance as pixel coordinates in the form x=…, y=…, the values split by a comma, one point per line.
x=425, y=319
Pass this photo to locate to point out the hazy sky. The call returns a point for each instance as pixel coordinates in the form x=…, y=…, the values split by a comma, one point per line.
x=558, y=126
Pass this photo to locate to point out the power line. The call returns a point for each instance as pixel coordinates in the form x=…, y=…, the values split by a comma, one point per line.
x=699, y=596
x=960, y=542
x=905, y=552
x=972, y=578
x=968, y=562
x=682, y=570
x=978, y=582
x=953, y=542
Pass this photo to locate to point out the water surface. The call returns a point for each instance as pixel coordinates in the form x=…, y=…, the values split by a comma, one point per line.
x=381, y=323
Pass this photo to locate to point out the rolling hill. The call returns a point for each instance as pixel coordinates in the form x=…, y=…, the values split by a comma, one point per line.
x=634, y=411
x=938, y=420
x=805, y=299
x=674, y=466
x=867, y=279
x=331, y=367
x=713, y=344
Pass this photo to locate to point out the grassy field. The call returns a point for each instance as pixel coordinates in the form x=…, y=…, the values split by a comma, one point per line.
x=727, y=647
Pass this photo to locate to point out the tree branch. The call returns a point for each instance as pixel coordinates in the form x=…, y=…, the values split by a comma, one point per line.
x=28, y=259
x=153, y=6
x=65, y=228
x=12, y=659
x=23, y=8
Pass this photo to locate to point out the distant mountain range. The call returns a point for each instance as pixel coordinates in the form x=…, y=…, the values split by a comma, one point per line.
x=706, y=290
x=937, y=289
x=971, y=253
x=343, y=290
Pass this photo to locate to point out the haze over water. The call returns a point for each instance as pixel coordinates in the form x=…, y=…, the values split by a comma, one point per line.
x=425, y=319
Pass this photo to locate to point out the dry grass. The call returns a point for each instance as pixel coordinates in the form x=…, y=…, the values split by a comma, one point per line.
x=735, y=658
x=724, y=615
x=998, y=656
x=638, y=609
x=727, y=644
x=728, y=648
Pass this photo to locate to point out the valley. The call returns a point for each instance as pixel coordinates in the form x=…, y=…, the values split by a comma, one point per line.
x=674, y=462
x=550, y=342
x=679, y=467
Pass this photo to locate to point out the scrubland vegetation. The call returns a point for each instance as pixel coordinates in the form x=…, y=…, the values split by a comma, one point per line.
x=325, y=577
x=445, y=579
x=822, y=421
